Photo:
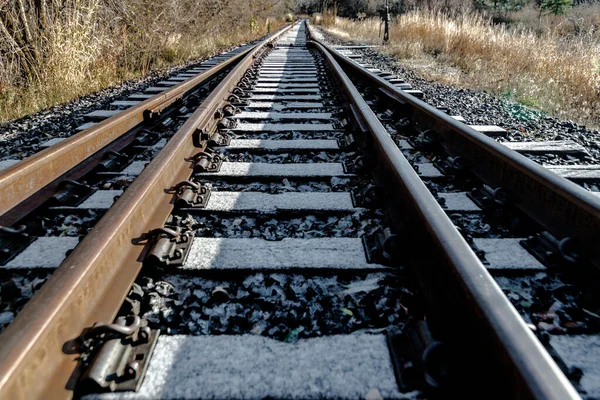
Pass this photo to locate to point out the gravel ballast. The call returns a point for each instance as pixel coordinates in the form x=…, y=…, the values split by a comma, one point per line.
x=481, y=108
x=280, y=306
x=22, y=137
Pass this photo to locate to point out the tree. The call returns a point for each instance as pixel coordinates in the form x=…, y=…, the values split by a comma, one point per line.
x=501, y=5
x=555, y=7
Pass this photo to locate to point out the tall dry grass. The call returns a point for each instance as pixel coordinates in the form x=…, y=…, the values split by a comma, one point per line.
x=583, y=19
x=557, y=74
x=52, y=51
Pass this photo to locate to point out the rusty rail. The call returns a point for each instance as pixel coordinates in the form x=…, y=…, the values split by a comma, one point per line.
x=21, y=181
x=92, y=282
x=456, y=283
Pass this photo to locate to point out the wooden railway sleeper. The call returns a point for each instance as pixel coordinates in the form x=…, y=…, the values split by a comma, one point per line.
x=122, y=352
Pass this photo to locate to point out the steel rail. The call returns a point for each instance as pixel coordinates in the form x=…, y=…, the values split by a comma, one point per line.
x=91, y=284
x=22, y=180
x=559, y=205
x=463, y=291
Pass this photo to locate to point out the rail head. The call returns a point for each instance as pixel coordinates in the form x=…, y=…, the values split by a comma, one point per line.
x=90, y=285
x=479, y=301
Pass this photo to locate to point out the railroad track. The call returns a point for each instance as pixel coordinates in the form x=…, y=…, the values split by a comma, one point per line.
x=66, y=202
x=283, y=246
x=71, y=169
x=521, y=230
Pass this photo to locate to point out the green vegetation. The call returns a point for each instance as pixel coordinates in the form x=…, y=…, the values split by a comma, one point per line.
x=555, y=7
x=522, y=108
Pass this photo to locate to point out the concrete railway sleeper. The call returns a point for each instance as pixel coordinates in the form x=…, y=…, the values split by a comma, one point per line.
x=280, y=245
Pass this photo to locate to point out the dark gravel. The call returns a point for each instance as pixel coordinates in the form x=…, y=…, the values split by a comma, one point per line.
x=21, y=138
x=280, y=227
x=334, y=184
x=308, y=157
x=282, y=306
x=555, y=306
x=331, y=135
x=478, y=107
x=74, y=224
x=16, y=288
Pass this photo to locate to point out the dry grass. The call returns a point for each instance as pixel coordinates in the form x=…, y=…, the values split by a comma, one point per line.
x=69, y=48
x=556, y=74
x=583, y=19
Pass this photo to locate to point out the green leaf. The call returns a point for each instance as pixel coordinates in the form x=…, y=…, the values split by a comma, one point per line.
x=525, y=304
x=293, y=335
x=347, y=311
